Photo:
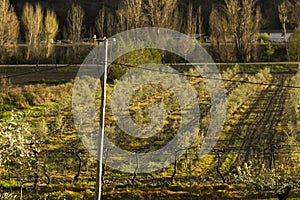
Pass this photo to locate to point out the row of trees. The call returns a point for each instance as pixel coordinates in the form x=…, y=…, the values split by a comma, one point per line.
x=234, y=25
x=35, y=26
x=38, y=27
x=131, y=14
x=284, y=177
x=142, y=13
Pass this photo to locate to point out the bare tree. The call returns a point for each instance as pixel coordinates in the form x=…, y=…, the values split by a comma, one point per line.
x=219, y=31
x=139, y=13
x=105, y=22
x=242, y=19
x=32, y=19
x=164, y=13
x=295, y=13
x=51, y=29
x=284, y=10
x=100, y=21
x=75, y=22
x=199, y=20
x=110, y=21
x=131, y=14
x=190, y=24
x=192, y=20
x=9, y=30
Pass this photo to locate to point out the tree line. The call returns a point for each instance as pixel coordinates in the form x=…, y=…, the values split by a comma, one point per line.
x=40, y=29
x=234, y=26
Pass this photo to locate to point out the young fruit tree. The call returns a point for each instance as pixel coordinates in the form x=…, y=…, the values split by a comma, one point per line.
x=19, y=149
x=264, y=179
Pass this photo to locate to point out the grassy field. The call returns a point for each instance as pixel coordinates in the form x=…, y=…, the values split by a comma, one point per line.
x=262, y=112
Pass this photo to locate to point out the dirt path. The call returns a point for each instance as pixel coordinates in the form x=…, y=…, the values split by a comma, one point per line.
x=25, y=74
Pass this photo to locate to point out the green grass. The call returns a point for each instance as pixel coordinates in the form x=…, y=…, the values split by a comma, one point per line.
x=62, y=164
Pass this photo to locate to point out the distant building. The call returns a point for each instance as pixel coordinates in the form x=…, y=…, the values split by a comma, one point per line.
x=277, y=35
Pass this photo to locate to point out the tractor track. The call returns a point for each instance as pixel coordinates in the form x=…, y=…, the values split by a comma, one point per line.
x=250, y=137
x=264, y=130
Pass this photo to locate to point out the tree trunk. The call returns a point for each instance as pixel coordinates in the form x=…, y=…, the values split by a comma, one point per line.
x=36, y=170
x=79, y=168
x=21, y=192
x=285, y=40
x=174, y=169
x=47, y=175
x=284, y=195
x=218, y=168
x=136, y=168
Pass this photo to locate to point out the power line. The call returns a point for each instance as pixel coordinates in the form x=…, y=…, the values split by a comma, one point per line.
x=211, y=78
x=182, y=74
x=38, y=70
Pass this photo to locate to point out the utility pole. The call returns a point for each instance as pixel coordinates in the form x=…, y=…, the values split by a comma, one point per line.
x=100, y=142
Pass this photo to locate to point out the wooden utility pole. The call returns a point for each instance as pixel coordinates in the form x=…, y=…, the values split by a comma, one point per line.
x=100, y=142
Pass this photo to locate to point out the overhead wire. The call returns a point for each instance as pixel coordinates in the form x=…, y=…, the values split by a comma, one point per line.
x=212, y=78
x=148, y=69
x=37, y=70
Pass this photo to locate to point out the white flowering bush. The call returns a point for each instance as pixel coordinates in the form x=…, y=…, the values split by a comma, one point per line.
x=264, y=179
x=8, y=196
x=14, y=140
x=18, y=148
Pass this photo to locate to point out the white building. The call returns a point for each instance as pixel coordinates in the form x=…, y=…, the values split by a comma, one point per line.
x=278, y=37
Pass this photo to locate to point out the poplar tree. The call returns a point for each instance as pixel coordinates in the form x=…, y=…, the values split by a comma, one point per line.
x=32, y=19
x=9, y=30
x=51, y=29
x=242, y=21
x=75, y=25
